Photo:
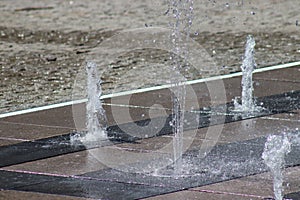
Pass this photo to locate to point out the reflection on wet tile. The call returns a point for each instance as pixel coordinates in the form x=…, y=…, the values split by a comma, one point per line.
x=4, y=142
x=200, y=195
x=257, y=185
x=292, y=116
x=61, y=117
x=68, y=164
x=29, y=131
x=291, y=74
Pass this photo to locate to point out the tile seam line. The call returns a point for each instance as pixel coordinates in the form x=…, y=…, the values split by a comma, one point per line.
x=38, y=125
x=107, y=96
x=80, y=177
x=228, y=193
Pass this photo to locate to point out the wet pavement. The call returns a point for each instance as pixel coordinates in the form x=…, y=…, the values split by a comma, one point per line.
x=44, y=45
x=39, y=162
x=43, y=49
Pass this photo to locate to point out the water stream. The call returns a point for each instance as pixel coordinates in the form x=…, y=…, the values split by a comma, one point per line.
x=276, y=147
x=95, y=114
x=248, y=66
x=181, y=12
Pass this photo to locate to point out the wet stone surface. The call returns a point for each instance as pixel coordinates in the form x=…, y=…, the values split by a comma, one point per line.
x=44, y=44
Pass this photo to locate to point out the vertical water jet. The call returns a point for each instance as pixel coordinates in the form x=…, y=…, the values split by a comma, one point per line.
x=276, y=147
x=95, y=114
x=182, y=15
x=247, y=100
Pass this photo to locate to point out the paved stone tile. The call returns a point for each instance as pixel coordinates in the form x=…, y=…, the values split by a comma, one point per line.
x=19, y=195
x=271, y=87
x=118, y=114
x=98, y=189
x=197, y=195
x=61, y=117
x=257, y=185
x=61, y=120
x=30, y=131
x=252, y=187
x=8, y=141
x=261, y=87
x=293, y=116
x=68, y=164
x=236, y=131
x=11, y=180
x=291, y=74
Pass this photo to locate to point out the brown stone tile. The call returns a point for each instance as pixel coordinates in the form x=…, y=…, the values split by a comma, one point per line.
x=224, y=133
x=9, y=141
x=131, y=159
x=119, y=114
x=261, y=87
x=20, y=195
x=161, y=98
x=271, y=87
x=291, y=74
x=293, y=115
x=240, y=130
x=148, y=144
x=29, y=132
x=291, y=180
x=61, y=117
x=205, y=93
x=251, y=128
x=198, y=195
x=68, y=164
x=145, y=99
x=257, y=185
x=74, y=117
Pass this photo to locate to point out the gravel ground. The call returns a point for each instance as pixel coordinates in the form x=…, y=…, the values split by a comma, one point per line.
x=43, y=45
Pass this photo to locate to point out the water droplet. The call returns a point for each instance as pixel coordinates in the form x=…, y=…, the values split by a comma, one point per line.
x=253, y=13
x=21, y=35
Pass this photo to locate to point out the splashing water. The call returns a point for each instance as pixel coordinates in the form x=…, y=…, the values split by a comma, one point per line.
x=182, y=14
x=248, y=66
x=95, y=114
x=276, y=147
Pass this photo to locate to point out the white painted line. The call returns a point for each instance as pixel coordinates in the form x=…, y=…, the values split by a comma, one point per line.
x=145, y=90
x=30, y=110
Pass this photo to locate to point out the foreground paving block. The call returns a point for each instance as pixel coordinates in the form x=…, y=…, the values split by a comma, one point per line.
x=19, y=195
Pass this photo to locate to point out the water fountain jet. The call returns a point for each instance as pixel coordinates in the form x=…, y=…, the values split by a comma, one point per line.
x=95, y=114
x=276, y=147
x=182, y=12
x=248, y=66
